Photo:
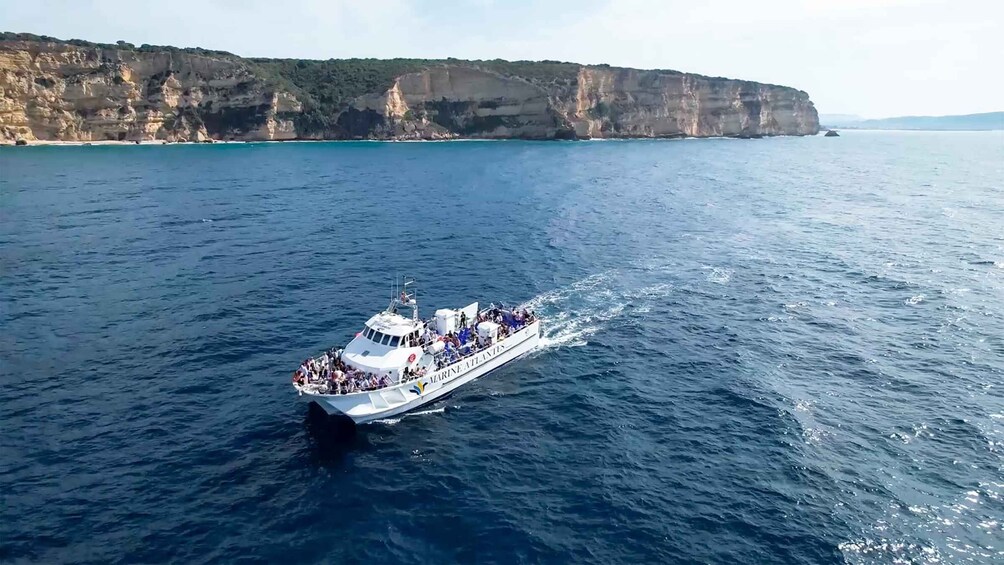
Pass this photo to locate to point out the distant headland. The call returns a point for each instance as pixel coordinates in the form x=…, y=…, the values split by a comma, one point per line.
x=78, y=91
x=966, y=122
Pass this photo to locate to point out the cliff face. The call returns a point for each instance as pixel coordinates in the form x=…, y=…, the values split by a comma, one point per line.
x=633, y=103
x=63, y=92
x=451, y=101
x=58, y=91
x=454, y=101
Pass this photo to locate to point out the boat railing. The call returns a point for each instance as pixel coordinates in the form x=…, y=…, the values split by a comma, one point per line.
x=470, y=347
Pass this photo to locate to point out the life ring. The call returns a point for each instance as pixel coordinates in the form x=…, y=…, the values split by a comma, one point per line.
x=411, y=358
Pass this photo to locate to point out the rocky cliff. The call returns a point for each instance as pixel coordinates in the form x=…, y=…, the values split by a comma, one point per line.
x=80, y=91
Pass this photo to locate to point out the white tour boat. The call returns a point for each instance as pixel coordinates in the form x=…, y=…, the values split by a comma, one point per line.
x=397, y=363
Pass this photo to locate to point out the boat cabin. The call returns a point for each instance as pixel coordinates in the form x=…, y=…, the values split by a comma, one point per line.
x=387, y=344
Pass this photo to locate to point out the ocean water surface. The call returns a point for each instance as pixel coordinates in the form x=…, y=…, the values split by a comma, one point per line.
x=786, y=350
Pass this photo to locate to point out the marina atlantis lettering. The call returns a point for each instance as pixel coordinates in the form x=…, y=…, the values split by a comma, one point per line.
x=468, y=364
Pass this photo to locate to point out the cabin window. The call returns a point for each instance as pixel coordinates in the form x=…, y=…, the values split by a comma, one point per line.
x=394, y=341
x=385, y=339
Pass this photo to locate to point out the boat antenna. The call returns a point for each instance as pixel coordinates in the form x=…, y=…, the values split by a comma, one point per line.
x=401, y=296
x=392, y=307
x=411, y=298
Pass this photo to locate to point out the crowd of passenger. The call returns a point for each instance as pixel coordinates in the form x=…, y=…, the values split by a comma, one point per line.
x=467, y=341
x=332, y=376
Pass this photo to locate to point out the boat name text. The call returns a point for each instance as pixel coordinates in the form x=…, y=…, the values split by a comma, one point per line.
x=468, y=364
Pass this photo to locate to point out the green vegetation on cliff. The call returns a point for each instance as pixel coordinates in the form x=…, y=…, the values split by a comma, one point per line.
x=120, y=45
x=327, y=87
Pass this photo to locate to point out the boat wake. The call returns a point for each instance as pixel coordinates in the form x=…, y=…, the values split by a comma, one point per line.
x=573, y=314
x=392, y=421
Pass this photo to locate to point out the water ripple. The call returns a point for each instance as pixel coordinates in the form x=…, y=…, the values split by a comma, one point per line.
x=785, y=351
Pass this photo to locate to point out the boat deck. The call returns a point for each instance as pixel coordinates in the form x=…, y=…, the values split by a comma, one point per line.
x=327, y=374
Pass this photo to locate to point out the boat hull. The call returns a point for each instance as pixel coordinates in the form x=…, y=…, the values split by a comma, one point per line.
x=364, y=407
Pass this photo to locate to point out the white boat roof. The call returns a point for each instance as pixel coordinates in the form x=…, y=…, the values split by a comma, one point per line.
x=392, y=324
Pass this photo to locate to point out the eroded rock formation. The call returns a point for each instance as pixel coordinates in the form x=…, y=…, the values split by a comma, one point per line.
x=54, y=90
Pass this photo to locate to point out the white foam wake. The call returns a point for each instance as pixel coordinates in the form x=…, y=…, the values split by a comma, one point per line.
x=572, y=314
x=392, y=421
x=425, y=412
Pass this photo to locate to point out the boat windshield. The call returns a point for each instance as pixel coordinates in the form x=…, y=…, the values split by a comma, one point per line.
x=381, y=338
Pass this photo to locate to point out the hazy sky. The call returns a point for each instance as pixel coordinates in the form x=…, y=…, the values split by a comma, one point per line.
x=870, y=57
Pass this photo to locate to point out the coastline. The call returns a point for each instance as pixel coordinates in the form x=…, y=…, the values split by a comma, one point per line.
x=62, y=143
x=158, y=142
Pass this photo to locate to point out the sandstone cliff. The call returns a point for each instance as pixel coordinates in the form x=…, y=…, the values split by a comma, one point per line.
x=78, y=91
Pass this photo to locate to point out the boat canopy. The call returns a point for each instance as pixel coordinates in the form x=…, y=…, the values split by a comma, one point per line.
x=392, y=324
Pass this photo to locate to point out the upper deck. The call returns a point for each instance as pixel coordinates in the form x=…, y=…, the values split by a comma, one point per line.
x=392, y=324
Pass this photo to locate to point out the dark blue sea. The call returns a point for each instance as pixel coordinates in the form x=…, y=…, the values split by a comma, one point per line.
x=786, y=350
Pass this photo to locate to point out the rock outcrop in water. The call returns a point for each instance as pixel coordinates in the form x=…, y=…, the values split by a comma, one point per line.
x=80, y=91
